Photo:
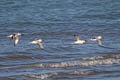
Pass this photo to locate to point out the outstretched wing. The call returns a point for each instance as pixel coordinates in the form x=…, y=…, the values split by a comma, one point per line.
x=77, y=38
x=40, y=45
x=99, y=42
x=16, y=41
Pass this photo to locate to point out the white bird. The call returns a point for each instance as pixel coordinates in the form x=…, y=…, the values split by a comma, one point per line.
x=78, y=41
x=38, y=42
x=98, y=39
x=15, y=37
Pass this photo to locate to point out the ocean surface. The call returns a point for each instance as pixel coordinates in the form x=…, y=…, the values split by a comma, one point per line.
x=55, y=22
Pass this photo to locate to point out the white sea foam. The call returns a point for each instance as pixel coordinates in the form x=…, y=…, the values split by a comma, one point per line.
x=41, y=76
x=77, y=63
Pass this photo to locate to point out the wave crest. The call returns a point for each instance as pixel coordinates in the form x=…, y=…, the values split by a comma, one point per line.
x=76, y=63
x=55, y=74
x=41, y=76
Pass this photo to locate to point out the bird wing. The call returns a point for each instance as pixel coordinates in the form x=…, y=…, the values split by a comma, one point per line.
x=16, y=41
x=40, y=45
x=34, y=42
x=11, y=36
x=77, y=38
x=99, y=42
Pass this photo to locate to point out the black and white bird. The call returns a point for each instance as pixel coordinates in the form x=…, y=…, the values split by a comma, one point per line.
x=98, y=39
x=15, y=37
x=78, y=40
x=38, y=42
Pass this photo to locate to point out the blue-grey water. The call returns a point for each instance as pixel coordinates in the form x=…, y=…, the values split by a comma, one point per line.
x=55, y=22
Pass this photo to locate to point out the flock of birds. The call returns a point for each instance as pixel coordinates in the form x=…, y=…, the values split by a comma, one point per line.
x=15, y=37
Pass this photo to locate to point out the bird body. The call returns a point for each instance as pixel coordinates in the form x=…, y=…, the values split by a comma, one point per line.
x=78, y=40
x=96, y=38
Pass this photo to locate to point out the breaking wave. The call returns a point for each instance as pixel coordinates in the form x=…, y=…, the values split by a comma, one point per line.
x=41, y=76
x=55, y=74
x=61, y=75
x=101, y=57
x=91, y=61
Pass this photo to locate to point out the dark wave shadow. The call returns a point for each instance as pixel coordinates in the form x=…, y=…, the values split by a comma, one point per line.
x=106, y=47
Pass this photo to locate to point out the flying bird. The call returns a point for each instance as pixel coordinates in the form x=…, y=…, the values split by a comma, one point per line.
x=38, y=42
x=78, y=40
x=98, y=39
x=15, y=37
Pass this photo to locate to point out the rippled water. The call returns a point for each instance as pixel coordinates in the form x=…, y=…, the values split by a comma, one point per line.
x=56, y=21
